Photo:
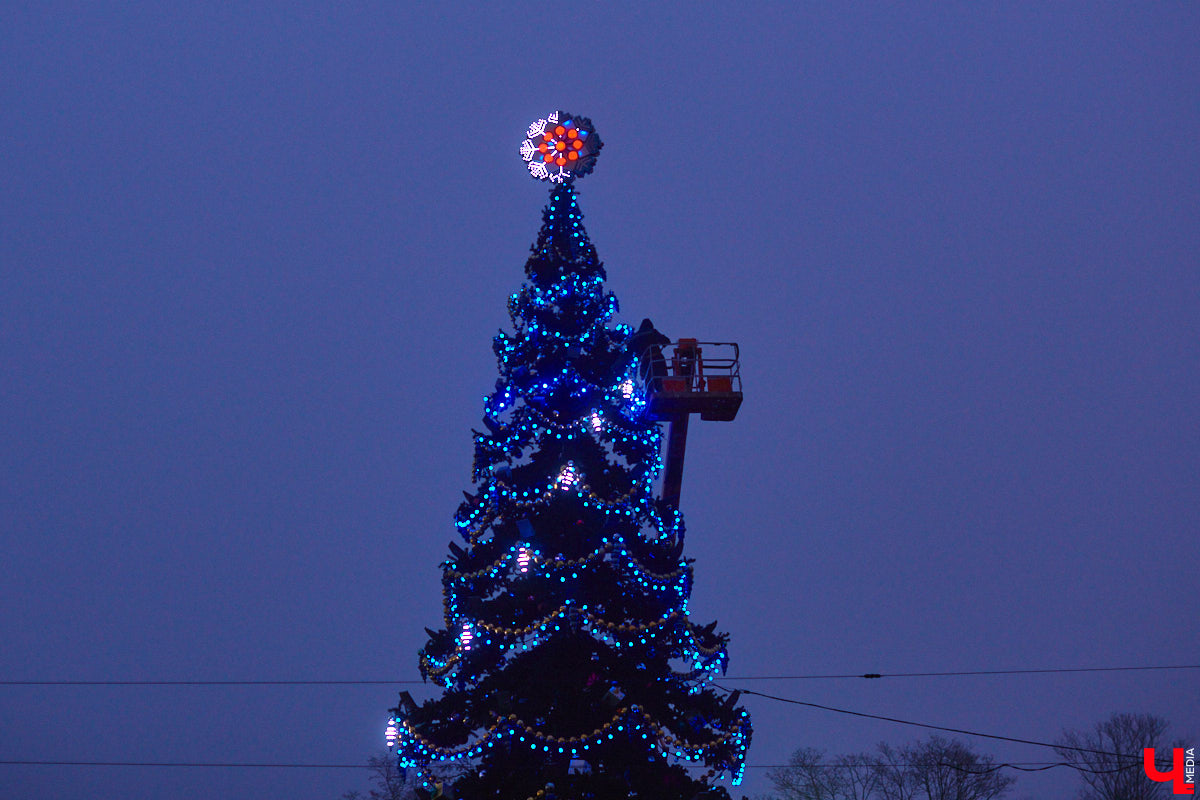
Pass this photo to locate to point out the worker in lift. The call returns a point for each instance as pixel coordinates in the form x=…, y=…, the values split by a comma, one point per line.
x=647, y=344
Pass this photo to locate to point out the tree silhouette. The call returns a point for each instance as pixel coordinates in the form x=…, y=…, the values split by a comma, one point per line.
x=1120, y=776
x=933, y=769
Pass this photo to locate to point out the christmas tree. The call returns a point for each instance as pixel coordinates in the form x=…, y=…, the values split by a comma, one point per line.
x=570, y=667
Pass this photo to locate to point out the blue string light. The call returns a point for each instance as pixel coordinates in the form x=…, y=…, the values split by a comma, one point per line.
x=566, y=433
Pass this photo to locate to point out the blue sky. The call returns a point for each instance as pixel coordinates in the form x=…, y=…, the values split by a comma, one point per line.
x=251, y=262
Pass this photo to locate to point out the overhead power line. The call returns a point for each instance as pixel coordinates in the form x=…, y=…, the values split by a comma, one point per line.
x=867, y=675
x=931, y=727
x=874, y=675
x=1027, y=767
x=226, y=764
x=209, y=683
x=250, y=765
x=1024, y=766
x=1032, y=766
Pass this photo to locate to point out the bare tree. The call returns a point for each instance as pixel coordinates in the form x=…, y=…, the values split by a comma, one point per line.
x=935, y=769
x=895, y=778
x=389, y=783
x=946, y=769
x=1118, y=776
x=858, y=775
x=806, y=777
x=386, y=781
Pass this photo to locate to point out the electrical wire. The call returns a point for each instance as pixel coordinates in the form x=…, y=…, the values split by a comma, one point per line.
x=181, y=764
x=927, y=725
x=210, y=683
x=867, y=675
x=874, y=675
x=1023, y=766
x=1018, y=766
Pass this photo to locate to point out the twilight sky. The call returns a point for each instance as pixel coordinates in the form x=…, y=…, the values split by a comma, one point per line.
x=250, y=265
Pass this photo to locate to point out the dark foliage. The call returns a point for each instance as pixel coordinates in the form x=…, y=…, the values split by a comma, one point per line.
x=569, y=664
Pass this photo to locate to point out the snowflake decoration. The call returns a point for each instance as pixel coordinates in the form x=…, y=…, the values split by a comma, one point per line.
x=561, y=147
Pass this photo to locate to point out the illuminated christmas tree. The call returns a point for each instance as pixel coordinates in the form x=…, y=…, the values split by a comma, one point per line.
x=570, y=667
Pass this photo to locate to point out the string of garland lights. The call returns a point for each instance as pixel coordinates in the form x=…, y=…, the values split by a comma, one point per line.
x=522, y=556
x=1134, y=762
x=626, y=720
x=566, y=655
x=704, y=660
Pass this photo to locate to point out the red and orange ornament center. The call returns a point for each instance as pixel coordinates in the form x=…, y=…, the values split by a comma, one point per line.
x=560, y=145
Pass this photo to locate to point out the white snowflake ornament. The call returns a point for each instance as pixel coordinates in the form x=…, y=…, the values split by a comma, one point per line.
x=560, y=148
